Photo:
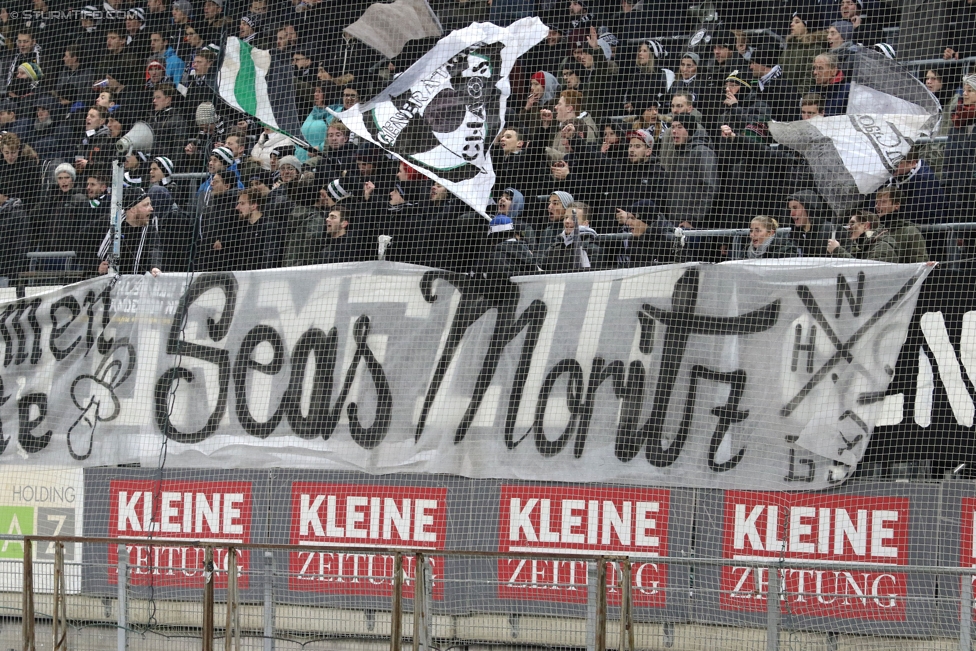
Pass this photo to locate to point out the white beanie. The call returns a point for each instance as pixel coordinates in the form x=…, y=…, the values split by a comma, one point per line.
x=68, y=168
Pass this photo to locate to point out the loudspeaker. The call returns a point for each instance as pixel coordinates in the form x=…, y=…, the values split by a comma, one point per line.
x=139, y=138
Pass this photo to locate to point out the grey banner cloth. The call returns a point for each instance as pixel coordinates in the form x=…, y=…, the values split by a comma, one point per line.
x=765, y=375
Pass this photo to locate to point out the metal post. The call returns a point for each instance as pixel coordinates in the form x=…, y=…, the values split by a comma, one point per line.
x=123, y=598
x=966, y=615
x=600, y=641
x=208, y=599
x=396, y=635
x=772, y=610
x=626, y=616
x=590, y=606
x=27, y=620
x=423, y=605
x=59, y=616
x=269, y=614
x=118, y=178
x=231, y=641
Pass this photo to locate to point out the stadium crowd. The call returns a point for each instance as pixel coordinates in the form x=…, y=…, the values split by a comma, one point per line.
x=617, y=132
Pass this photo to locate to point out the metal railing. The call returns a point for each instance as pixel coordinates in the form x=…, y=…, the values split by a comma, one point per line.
x=225, y=621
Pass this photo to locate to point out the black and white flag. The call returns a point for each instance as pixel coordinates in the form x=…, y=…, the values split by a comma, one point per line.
x=440, y=115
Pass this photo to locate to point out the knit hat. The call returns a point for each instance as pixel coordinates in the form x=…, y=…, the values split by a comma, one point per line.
x=224, y=154
x=845, y=28
x=251, y=20
x=33, y=71
x=91, y=12
x=205, y=114
x=657, y=48
x=132, y=196
x=810, y=201
x=969, y=80
x=138, y=13
x=185, y=6
x=540, y=77
x=219, y=3
x=688, y=120
x=500, y=224
x=812, y=22
x=885, y=49
x=737, y=78
x=164, y=164
x=694, y=57
x=290, y=160
x=336, y=191
x=155, y=64
x=643, y=134
x=565, y=198
x=141, y=155
x=66, y=168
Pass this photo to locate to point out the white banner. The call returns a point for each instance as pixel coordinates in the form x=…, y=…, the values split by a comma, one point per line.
x=441, y=114
x=747, y=375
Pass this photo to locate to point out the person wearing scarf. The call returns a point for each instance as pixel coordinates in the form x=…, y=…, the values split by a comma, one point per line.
x=959, y=164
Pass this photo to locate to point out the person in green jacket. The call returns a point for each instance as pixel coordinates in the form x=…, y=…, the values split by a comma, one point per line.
x=905, y=237
x=863, y=241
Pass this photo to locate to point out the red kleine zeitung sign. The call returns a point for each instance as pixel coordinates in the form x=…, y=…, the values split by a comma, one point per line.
x=363, y=516
x=852, y=528
x=581, y=520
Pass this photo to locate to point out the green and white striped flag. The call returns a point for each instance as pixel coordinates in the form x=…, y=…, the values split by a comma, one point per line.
x=260, y=84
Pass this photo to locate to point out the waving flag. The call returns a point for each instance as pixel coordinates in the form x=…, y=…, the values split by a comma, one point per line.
x=260, y=84
x=388, y=27
x=441, y=114
x=853, y=155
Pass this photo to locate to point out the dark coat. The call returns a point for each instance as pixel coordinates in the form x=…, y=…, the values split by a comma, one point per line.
x=13, y=238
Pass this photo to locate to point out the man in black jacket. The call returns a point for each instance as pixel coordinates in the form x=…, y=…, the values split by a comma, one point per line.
x=167, y=124
x=139, y=248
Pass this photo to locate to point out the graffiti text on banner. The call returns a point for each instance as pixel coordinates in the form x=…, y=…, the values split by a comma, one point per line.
x=364, y=515
x=558, y=520
x=810, y=527
x=179, y=510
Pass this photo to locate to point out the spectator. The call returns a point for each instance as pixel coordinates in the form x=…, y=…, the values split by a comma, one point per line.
x=90, y=39
x=49, y=138
x=214, y=19
x=70, y=205
x=161, y=171
x=831, y=84
x=575, y=248
x=158, y=15
x=866, y=31
x=556, y=209
x=201, y=83
x=644, y=82
x=339, y=158
x=805, y=41
x=548, y=55
x=118, y=68
x=565, y=112
x=28, y=51
x=763, y=243
x=636, y=180
x=166, y=122
x=692, y=181
x=511, y=203
x=599, y=73
x=863, y=241
x=182, y=10
x=812, y=227
x=340, y=244
x=14, y=235
x=19, y=169
x=542, y=89
x=512, y=165
x=159, y=48
x=742, y=105
x=922, y=198
x=960, y=37
x=219, y=224
x=140, y=250
x=725, y=59
x=134, y=166
x=905, y=237
x=195, y=44
x=811, y=106
x=773, y=88
x=688, y=80
x=136, y=35
x=959, y=163
x=682, y=103
x=9, y=120
x=314, y=128
x=24, y=88
x=221, y=160
x=945, y=93
x=75, y=81
x=839, y=35
x=614, y=146
x=508, y=254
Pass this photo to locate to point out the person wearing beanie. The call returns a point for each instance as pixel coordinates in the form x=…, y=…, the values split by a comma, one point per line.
x=725, y=58
x=249, y=27
x=645, y=81
x=221, y=160
x=599, y=80
x=770, y=85
x=556, y=208
x=160, y=48
x=27, y=51
x=830, y=83
x=66, y=200
x=691, y=182
x=161, y=170
x=574, y=248
x=805, y=41
x=136, y=34
x=865, y=31
x=689, y=81
x=636, y=179
x=140, y=250
x=542, y=90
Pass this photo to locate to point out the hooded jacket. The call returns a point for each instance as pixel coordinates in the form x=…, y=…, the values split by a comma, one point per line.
x=813, y=242
x=692, y=181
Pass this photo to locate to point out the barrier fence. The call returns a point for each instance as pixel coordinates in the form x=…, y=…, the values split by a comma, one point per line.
x=220, y=613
